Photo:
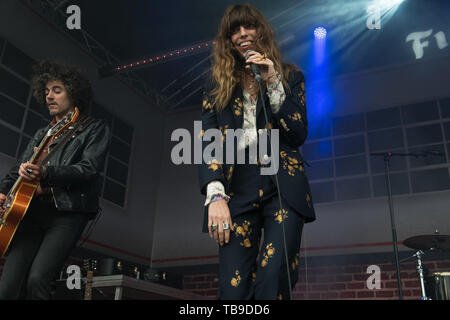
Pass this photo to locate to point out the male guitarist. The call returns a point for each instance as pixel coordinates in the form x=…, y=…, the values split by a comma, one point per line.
x=66, y=170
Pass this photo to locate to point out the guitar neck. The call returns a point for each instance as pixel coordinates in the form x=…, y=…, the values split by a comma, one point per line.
x=32, y=160
x=88, y=287
x=56, y=130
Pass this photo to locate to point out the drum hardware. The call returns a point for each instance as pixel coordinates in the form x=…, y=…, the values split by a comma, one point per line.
x=438, y=286
x=432, y=242
x=422, y=244
x=418, y=255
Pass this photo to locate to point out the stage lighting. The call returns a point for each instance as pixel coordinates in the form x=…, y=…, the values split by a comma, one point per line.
x=386, y=4
x=320, y=33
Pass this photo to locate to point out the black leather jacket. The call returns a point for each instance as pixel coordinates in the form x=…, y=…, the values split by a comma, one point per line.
x=73, y=166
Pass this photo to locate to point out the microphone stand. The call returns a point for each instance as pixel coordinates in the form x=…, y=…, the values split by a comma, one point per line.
x=387, y=156
x=258, y=79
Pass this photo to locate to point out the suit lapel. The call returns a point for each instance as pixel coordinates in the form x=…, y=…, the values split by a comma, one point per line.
x=237, y=107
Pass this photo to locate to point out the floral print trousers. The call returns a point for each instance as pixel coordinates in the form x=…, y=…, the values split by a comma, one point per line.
x=251, y=269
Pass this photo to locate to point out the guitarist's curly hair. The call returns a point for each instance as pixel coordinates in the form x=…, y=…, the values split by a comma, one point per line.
x=76, y=84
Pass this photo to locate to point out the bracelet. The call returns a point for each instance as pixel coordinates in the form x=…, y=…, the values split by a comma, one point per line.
x=217, y=197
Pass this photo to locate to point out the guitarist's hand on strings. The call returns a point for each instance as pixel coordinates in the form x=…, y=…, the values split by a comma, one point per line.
x=31, y=172
x=2, y=200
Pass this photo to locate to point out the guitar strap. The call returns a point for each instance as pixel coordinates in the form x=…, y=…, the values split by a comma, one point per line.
x=66, y=136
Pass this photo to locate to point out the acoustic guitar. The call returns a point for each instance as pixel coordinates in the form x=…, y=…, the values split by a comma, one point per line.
x=19, y=197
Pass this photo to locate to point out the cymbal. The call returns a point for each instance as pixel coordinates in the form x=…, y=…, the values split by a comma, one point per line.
x=429, y=242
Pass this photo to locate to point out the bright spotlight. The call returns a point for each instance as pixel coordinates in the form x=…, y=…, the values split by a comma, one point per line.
x=320, y=32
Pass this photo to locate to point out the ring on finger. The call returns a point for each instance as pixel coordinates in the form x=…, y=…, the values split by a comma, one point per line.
x=213, y=227
x=226, y=226
x=30, y=171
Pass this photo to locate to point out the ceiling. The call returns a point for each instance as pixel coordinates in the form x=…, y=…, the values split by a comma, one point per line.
x=135, y=29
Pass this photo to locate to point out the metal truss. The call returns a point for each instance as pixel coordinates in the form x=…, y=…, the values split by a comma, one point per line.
x=52, y=10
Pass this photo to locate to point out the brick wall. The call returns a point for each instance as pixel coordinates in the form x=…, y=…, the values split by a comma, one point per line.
x=337, y=282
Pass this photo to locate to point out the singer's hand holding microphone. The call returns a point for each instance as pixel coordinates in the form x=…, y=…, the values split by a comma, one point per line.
x=260, y=64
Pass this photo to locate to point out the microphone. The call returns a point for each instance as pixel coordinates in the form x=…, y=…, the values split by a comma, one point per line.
x=253, y=66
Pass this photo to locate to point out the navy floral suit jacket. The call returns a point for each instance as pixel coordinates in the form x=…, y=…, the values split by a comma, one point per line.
x=291, y=120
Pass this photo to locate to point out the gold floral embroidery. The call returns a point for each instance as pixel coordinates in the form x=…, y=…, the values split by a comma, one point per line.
x=246, y=243
x=301, y=94
x=223, y=130
x=236, y=280
x=207, y=105
x=230, y=173
x=291, y=164
x=237, y=106
x=243, y=231
x=270, y=251
x=280, y=215
x=261, y=192
x=214, y=165
x=295, y=117
x=294, y=264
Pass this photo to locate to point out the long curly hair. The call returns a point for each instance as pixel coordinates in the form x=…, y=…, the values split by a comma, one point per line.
x=227, y=65
x=77, y=85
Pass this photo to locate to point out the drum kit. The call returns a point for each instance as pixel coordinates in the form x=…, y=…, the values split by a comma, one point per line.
x=437, y=285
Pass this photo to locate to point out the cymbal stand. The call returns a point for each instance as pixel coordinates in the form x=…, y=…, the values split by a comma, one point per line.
x=419, y=255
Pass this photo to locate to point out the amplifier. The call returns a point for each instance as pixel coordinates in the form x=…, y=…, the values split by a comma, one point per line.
x=169, y=279
x=113, y=266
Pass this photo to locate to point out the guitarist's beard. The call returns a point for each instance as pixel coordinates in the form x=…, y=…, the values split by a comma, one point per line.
x=57, y=113
x=65, y=118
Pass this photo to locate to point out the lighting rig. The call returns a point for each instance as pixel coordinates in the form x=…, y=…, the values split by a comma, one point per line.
x=149, y=61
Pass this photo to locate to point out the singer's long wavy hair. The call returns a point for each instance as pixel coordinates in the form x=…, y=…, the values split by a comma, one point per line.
x=228, y=64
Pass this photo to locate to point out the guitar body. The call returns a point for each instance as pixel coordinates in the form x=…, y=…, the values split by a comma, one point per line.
x=15, y=213
x=19, y=197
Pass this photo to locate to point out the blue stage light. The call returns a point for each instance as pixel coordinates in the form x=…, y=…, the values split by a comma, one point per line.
x=320, y=32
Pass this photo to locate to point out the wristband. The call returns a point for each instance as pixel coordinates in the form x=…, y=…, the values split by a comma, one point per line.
x=217, y=197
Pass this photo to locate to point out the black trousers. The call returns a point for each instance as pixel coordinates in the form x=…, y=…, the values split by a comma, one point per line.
x=42, y=243
x=249, y=269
